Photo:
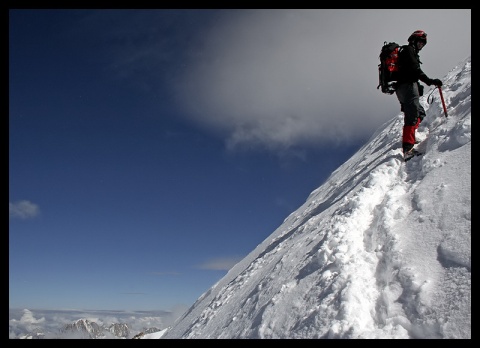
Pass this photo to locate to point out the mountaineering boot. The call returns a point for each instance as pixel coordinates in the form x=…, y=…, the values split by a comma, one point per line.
x=410, y=153
x=407, y=147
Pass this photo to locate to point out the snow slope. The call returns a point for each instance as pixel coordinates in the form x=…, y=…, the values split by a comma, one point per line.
x=382, y=249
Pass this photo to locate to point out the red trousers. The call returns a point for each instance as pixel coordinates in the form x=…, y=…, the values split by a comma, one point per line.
x=409, y=133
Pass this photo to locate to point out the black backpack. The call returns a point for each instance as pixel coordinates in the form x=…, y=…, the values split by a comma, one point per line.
x=388, y=67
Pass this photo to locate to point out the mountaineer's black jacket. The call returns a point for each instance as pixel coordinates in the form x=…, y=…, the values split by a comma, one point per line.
x=409, y=66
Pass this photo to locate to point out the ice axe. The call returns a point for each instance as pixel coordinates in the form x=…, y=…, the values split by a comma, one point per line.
x=443, y=101
x=430, y=99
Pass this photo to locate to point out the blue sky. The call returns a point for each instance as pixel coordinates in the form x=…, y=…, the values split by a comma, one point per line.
x=149, y=150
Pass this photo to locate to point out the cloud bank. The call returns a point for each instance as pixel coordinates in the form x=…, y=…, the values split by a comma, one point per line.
x=280, y=79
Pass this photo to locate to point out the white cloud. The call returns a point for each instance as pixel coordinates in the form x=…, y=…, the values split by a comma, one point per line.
x=23, y=210
x=282, y=79
x=220, y=264
x=28, y=318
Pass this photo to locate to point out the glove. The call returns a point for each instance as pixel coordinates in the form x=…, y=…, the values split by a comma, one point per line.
x=436, y=82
